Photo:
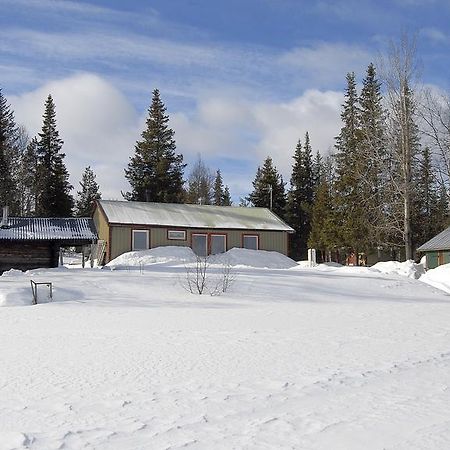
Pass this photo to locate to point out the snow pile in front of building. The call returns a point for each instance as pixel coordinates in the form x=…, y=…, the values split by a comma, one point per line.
x=406, y=269
x=242, y=257
x=158, y=255
x=438, y=277
x=236, y=257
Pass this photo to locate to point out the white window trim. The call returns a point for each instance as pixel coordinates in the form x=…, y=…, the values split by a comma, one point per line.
x=218, y=234
x=176, y=238
x=251, y=236
x=147, y=233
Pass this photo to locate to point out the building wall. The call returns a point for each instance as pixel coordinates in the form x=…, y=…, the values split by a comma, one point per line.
x=121, y=237
x=436, y=258
x=101, y=224
x=27, y=255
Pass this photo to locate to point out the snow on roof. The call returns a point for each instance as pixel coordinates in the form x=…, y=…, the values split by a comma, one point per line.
x=44, y=229
x=439, y=242
x=192, y=216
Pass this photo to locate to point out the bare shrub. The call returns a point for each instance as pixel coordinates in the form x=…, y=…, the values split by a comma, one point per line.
x=200, y=280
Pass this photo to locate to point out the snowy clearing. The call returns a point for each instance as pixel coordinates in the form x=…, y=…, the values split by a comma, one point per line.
x=307, y=358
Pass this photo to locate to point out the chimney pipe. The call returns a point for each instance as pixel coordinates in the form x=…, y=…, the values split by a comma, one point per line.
x=4, y=223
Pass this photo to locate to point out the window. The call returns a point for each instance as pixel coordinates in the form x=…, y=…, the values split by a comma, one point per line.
x=140, y=240
x=176, y=235
x=250, y=242
x=218, y=244
x=200, y=244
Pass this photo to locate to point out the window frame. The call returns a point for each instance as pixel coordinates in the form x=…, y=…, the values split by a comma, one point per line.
x=173, y=230
x=147, y=235
x=206, y=243
x=250, y=236
x=211, y=235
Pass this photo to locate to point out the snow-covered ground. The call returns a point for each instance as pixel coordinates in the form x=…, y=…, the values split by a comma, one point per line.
x=289, y=357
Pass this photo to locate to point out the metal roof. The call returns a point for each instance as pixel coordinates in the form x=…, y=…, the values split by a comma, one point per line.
x=192, y=216
x=49, y=229
x=439, y=242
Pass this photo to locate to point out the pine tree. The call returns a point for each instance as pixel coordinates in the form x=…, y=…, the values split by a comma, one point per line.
x=372, y=159
x=8, y=138
x=268, y=184
x=218, y=189
x=54, y=198
x=200, y=184
x=221, y=194
x=300, y=199
x=88, y=195
x=317, y=171
x=350, y=214
x=155, y=172
x=28, y=179
x=323, y=236
x=226, y=200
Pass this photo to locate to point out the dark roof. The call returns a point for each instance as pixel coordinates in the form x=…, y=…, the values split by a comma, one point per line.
x=439, y=242
x=49, y=229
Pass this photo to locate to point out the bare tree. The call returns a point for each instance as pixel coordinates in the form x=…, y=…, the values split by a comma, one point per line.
x=399, y=71
x=200, y=184
x=435, y=115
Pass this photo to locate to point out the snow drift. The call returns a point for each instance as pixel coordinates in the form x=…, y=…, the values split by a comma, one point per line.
x=242, y=257
x=438, y=277
x=406, y=269
x=158, y=255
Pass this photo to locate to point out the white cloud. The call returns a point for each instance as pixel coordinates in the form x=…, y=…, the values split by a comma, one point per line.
x=434, y=34
x=241, y=130
x=99, y=128
x=96, y=122
x=325, y=61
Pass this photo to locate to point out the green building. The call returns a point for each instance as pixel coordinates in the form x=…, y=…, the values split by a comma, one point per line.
x=126, y=226
x=437, y=249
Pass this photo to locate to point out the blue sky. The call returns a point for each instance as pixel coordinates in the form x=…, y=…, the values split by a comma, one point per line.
x=240, y=79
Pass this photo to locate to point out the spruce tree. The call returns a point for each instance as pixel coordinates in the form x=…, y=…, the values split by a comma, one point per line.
x=54, y=198
x=323, y=236
x=373, y=159
x=350, y=217
x=221, y=193
x=226, y=200
x=155, y=172
x=300, y=199
x=88, y=195
x=218, y=189
x=8, y=138
x=268, y=183
x=28, y=179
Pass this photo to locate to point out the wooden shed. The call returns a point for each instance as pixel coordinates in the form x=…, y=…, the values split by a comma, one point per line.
x=437, y=249
x=31, y=242
x=126, y=226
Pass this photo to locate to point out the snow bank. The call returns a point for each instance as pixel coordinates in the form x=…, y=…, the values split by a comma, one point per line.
x=17, y=296
x=184, y=255
x=254, y=258
x=158, y=255
x=13, y=273
x=407, y=269
x=438, y=277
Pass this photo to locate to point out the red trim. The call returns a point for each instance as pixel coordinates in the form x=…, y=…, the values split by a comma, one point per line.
x=208, y=239
x=201, y=234
x=217, y=234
